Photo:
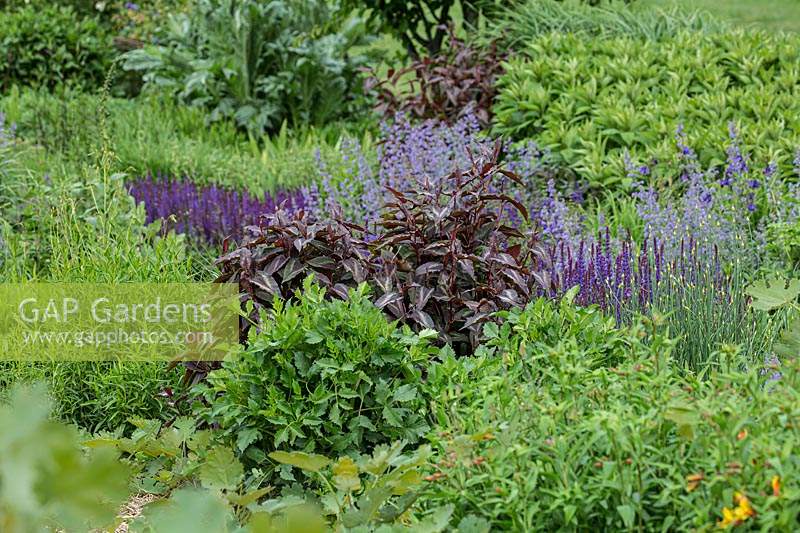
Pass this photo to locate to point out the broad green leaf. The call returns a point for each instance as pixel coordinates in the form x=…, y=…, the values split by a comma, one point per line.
x=188, y=510
x=221, y=470
x=473, y=524
x=345, y=475
x=436, y=521
x=773, y=292
x=628, y=515
x=246, y=437
x=405, y=393
x=243, y=500
x=304, y=461
x=684, y=417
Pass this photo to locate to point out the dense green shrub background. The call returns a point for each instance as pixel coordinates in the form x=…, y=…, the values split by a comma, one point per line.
x=259, y=63
x=589, y=100
x=46, y=45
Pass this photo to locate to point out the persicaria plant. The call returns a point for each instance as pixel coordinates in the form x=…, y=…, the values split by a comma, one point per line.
x=446, y=259
x=443, y=258
x=443, y=86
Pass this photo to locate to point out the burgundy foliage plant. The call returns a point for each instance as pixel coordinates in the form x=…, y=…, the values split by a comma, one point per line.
x=278, y=254
x=447, y=261
x=458, y=80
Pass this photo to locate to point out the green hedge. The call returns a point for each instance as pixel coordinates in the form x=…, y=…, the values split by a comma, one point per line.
x=570, y=425
x=46, y=45
x=590, y=100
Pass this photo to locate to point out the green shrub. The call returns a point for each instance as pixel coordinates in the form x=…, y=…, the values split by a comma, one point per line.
x=46, y=45
x=590, y=100
x=322, y=376
x=540, y=434
x=259, y=63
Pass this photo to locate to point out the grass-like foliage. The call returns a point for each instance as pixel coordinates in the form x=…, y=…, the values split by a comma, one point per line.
x=154, y=135
x=517, y=24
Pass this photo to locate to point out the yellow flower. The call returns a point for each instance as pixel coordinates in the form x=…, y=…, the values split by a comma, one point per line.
x=738, y=514
x=776, y=486
x=727, y=518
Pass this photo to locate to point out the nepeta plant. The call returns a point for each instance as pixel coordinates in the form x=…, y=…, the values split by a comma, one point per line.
x=416, y=151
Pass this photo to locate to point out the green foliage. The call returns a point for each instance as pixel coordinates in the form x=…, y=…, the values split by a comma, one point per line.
x=98, y=396
x=320, y=376
x=590, y=100
x=781, y=15
x=774, y=292
x=783, y=240
x=536, y=435
x=421, y=25
x=155, y=135
x=518, y=24
x=360, y=494
x=259, y=63
x=50, y=44
x=207, y=486
x=703, y=315
x=777, y=295
x=47, y=483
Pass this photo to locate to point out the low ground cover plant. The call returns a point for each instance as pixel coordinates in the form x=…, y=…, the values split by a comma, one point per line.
x=640, y=445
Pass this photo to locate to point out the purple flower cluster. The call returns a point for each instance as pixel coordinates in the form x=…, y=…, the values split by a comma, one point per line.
x=209, y=213
x=623, y=277
x=419, y=151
